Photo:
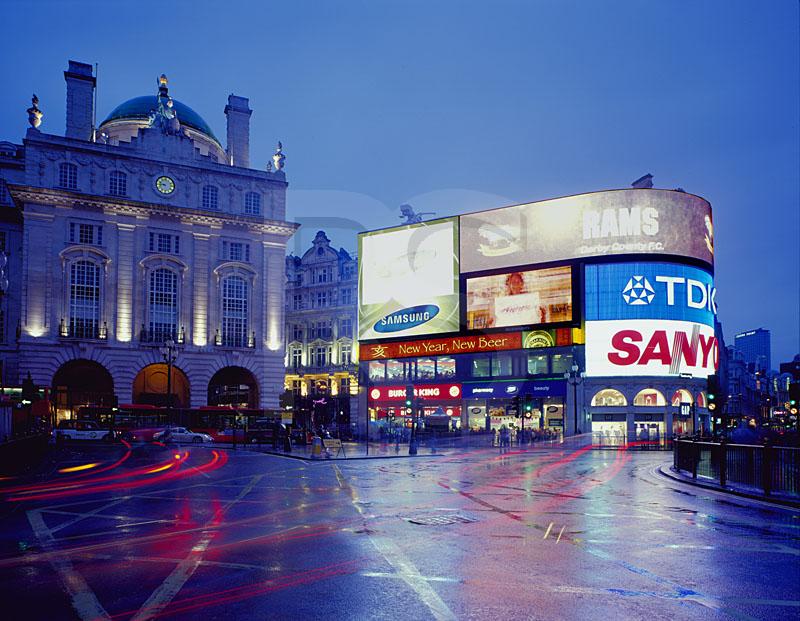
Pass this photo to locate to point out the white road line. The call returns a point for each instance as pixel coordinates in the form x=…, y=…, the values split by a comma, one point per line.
x=84, y=601
x=404, y=568
x=82, y=516
x=173, y=583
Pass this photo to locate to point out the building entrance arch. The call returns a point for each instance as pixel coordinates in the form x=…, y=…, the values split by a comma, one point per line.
x=80, y=383
x=150, y=386
x=235, y=386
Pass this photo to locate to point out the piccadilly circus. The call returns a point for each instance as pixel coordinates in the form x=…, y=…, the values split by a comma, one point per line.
x=596, y=311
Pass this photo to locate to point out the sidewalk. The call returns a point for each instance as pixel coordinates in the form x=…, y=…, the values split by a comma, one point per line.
x=745, y=492
x=351, y=450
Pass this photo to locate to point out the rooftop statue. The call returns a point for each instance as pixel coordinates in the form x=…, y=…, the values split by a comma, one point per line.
x=164, y=115
x=407, y=212
x=34, y=114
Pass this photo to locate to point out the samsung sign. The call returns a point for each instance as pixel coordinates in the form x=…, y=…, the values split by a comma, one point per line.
x=650, y=291
x=407, y=318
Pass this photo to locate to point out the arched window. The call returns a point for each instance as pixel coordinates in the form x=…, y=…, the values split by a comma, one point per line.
x=84, y=299
x=649, y=397
x=234, y=311
x=68, y=176
x=609, y=397
x=252, y=204
x=117, y=183
x=163, y=305
x=702, y=399
x=681, y=396
x=210, y=197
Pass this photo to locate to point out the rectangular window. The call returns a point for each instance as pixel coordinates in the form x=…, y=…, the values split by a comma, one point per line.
x=325, y=274
x=395, y=370
x=297, y=357
x=210, y=197
x=377, y=370
x=501, y=365
x=297, y=332
x=236, y=251
x=561, y=363
x=322, y=356
x=426, y=368
x=252, y=204
x=322, y=299
x=445, y=367
x=118, y=183
x=537, y=364
x=164, y=243
x=347, y=296
x=297, y=302
x=68, y=176
x=480, y=366
x=345, y=353
x=80, y=233
x=344, y=386
x=346, y=328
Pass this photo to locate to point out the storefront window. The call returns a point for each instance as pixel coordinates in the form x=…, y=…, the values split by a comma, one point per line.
x=426, y=369
x=561, y=363
x=681, y=396
x=649, y=397
x=537, y=364
x=446, y=367
x=377, y=370
x=501, y=365
x=480, y=367
x=609, y=397
x=395, y=370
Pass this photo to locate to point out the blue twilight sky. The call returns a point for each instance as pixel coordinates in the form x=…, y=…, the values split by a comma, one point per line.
x=462, y=105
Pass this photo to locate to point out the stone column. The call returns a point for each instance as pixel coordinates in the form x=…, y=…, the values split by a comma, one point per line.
x=200, y=280
x=125, y=329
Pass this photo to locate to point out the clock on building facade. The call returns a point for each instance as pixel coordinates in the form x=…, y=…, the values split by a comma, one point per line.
x=165, y=185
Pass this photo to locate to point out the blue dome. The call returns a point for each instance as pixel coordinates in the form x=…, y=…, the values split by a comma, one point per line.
x=139, y=109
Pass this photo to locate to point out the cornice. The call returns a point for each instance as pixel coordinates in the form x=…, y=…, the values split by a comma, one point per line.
x=121, y=206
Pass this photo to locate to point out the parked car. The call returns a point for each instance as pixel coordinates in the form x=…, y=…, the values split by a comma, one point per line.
x=68, y=430
x=265, y=431
x=181, y=434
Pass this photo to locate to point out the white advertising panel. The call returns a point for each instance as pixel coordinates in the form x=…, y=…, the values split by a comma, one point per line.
x=408, y=280
x=607, y=223
x=649, y=347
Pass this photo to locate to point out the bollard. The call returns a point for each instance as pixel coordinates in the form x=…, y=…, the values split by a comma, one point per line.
x=316, y=448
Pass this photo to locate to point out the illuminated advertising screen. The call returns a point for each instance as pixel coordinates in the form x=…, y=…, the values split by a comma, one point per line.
x=408, y=280
x=649, y=291
x=646, y=347
x=615, y=222
x=519, y=298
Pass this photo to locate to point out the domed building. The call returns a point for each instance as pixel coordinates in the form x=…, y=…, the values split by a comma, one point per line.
x=145, y=258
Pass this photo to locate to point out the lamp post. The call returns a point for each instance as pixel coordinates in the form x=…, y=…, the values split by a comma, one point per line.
x=169, y=353
x=3, y=289
x=574, y=377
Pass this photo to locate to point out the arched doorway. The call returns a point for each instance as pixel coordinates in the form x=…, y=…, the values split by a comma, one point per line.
x=234, y=386
x=79, y=383
x=150, y=386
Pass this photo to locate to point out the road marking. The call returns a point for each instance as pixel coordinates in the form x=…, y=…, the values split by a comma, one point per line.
x=547, y=532
x=173, y=583
x=404, y=568
x=84, y=601
x=82, y=516
x=561, y=532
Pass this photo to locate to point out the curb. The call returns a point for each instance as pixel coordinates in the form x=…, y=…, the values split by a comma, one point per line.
x=666, y=471
x=309, y=459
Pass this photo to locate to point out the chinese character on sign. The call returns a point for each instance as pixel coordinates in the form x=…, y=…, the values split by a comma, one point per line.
x=379, y=351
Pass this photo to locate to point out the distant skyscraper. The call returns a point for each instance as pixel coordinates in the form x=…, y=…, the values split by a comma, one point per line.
x=755, y=347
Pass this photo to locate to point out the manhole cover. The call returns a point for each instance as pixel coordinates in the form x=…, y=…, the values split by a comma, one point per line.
x=441, y=519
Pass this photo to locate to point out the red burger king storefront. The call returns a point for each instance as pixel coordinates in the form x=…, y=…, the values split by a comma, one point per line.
x=441, y=403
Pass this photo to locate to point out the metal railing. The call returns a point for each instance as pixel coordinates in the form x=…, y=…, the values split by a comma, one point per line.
x=771, y=470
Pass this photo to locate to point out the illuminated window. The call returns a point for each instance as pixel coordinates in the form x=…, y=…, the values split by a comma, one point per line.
x=609, y=397
x=346, y=327
x=445, y=367
x=252, y=204
x=377, y=370
x=395, y=370
x=210, y=197
x=560, y=363
x=234, y=311
x=480, y=367
x=681, y=396
x=501, y=365
x=163, y=305
x=702, y=399
x=345, y=353
x=426, y=368
x=68, y=176
x=84, y=299
x=297, y=357
x=117, y=183
x=537, y=364
x=649, y=397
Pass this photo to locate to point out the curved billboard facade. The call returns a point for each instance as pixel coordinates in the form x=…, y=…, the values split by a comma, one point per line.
x=615, y=222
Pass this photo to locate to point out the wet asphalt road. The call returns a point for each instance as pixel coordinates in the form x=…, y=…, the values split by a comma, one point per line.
x=190, y=532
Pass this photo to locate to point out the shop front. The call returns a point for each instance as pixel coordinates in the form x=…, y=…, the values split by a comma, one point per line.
x=609, y=429
x=490, y=405
x=439, y=406
x=650, y=428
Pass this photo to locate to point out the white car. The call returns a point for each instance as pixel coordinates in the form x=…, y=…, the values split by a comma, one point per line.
x=181, y=434
x=82, y=430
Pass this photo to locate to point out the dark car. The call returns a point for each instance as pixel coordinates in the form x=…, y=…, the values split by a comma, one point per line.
x=265, y=431
x=301, y=436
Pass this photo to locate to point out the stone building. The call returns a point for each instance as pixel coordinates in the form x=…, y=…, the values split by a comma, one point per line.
x=141, y=231
x=320, y=331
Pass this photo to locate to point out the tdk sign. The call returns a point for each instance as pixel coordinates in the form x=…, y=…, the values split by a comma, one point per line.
x=406, y=318
x=650, y=291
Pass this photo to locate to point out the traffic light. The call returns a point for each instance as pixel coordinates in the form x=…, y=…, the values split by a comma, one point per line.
x=409, y=395
x=528, y=405
x=515, y=406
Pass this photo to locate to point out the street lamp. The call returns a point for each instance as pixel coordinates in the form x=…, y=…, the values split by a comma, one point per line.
x=170, y=355
x=575, y=376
